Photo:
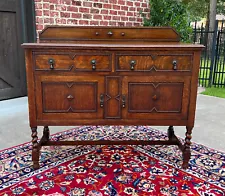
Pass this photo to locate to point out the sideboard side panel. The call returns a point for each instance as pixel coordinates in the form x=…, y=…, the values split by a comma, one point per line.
x=194, y=88
x=31, y=88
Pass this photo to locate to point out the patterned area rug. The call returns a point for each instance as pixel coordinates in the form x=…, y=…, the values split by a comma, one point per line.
x=112, y=170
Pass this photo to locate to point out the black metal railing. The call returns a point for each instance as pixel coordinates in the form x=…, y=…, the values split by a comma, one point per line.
x=212, y=68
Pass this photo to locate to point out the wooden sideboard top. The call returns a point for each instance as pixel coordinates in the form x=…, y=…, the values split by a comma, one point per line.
x=136, y=46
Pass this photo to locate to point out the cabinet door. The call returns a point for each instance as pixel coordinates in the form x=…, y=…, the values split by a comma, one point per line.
x=156, y=97
x=69, y=97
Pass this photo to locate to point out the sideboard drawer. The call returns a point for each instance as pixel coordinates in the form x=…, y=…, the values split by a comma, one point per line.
x=53, y=62
x=156, y=62
x=67, y=61
x=70, y=97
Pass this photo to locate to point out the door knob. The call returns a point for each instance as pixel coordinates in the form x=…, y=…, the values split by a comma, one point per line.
x=154, y=97
x=70, y=97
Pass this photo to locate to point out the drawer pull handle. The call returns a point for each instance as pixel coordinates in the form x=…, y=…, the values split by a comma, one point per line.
x=93, y=62
x=101, y=100
x=110, y=33
x=123, y=101
x=70, y=97
x=154, y=97
x=132, y=64
x=122, y=33
x=174, y=65
x=51, y=62
x=97, y=33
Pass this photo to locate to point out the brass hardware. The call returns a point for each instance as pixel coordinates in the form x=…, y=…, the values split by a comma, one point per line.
x=132, y=64
x=101, y=100
x=70, y=97
x=51, y=62
x=93, y=62
x=123, y=101
x=110, y=33
x=97, y=33
x=155, y=97
x=122, y=33
x=174, y=65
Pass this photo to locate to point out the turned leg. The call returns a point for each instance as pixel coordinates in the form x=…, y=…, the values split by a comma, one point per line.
x=170, y=133
x=35, y=149
x=187, y=149
x=46, y=133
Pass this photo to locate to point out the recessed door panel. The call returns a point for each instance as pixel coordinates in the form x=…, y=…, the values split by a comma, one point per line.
x=156, y=97
x=69, y=97
x=151, y=96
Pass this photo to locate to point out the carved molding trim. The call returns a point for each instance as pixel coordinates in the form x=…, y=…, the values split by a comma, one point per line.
x=55, y=69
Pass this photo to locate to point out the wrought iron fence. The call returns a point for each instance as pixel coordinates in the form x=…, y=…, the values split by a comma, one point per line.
x=212, y=68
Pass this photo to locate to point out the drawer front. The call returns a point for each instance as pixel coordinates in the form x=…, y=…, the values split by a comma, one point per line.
x=72, y=61
x=69, y=97
x=154, y=62
x=92, y=62
x=53, y=62
x=156, y=97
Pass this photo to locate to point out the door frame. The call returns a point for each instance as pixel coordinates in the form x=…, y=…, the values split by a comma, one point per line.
x=28, y=24
x=26, y=32
x=28, y=20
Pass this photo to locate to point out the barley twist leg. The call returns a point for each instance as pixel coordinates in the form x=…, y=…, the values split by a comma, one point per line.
x=35, y=148
x=187, y=148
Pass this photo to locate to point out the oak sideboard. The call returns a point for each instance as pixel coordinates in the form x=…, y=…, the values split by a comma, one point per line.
x=111, y=76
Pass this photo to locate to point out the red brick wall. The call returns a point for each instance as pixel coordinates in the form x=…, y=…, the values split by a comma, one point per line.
x=90, y=12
